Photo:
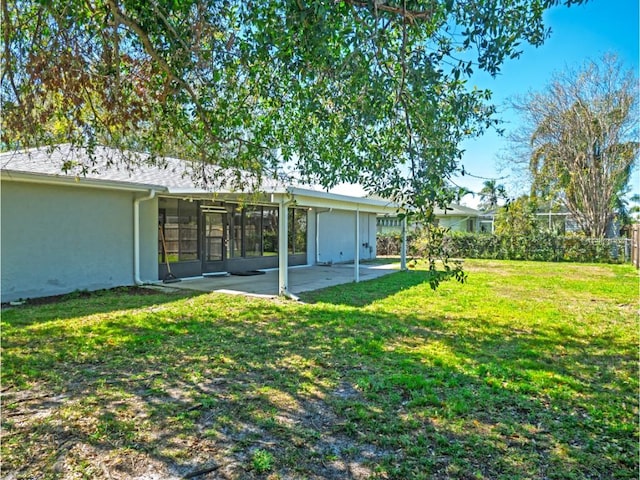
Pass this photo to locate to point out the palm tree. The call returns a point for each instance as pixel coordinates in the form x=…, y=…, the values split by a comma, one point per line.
x=491, y=194
x=578, y=160
x=583, y=141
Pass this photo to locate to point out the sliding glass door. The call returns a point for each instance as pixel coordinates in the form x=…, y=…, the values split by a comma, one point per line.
x=214, y=225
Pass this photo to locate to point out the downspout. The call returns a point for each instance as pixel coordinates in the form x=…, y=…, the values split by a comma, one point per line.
x=369, y=236
x=136, y=236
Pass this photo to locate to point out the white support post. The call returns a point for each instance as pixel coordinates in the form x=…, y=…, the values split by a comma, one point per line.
x=403, y=246
x=283, y=248
x=356, y=258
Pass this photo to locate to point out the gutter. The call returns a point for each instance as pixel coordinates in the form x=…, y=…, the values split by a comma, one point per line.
x=136, y=235
x=364, y=202
x=67, y=180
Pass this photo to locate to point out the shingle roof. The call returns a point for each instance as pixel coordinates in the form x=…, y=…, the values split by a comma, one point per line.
x=108, y=164
x=125, y=169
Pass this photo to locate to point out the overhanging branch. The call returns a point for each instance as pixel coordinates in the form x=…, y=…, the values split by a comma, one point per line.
x=164, y=65
x=408, y=15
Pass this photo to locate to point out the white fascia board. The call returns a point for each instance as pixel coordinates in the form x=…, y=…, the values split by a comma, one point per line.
x=201, y=191
x=297, y=196
x=315, y=199
x=46, y=179
x=188, y=191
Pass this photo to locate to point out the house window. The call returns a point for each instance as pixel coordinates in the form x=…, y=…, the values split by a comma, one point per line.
x=235, y=228
x=179, y=223
x=253, y=231
x=297, y=241
x=269, y=231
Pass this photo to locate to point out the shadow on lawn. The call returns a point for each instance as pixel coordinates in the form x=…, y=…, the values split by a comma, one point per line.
x=369, y=291
x=328, y=391
x=88, y=303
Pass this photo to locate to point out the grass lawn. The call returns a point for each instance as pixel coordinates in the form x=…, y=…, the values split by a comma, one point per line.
x=527, y=371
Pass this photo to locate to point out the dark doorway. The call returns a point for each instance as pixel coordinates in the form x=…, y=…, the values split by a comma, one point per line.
x=214, y=241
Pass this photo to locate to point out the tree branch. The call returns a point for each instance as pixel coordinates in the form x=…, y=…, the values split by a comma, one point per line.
x=408, y=15
x=6, y=30
x=149, y=48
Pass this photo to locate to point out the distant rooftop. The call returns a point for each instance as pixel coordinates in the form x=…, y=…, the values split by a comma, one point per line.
x=457, y=210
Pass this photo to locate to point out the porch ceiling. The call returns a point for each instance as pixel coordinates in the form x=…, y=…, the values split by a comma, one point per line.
x=299, y=197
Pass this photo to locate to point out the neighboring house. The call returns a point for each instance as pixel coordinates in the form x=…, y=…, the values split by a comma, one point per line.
x=486, y=221
x=458, y=218
x=559, y=221
x=117, y=226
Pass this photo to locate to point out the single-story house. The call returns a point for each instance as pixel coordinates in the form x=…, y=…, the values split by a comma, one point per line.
x=103, y=227
x=457, y=218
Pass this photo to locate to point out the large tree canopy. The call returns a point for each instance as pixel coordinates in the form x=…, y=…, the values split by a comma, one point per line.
x=335, y=91
x=581, y=133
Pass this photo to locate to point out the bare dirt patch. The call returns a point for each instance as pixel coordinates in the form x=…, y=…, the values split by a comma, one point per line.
x=75, y=435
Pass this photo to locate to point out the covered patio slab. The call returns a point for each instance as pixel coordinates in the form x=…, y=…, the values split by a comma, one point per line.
x=301, y=279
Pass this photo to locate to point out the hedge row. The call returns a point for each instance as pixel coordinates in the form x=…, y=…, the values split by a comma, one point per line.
x=541, y=247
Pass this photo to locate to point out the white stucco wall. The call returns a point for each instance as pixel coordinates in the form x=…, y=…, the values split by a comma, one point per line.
x=367, y=236
x=337, y=236
x=311, y=236
x=57, y=239
x=458, y=223
x=148, y=238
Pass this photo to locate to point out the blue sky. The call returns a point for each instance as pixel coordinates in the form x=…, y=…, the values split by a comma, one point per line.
x=579, y=33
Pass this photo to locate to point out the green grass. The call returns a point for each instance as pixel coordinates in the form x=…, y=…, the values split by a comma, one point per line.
x=262, y=461
x=527, y=371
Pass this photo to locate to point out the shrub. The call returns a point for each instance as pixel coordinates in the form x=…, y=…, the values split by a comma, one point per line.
x=262, y=461
x=539, y=246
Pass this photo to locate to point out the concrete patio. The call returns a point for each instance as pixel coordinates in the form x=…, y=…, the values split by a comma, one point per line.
x=301, y=279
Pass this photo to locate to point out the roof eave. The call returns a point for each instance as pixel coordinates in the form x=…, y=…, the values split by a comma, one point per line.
x=318, y=199
x=49, y=179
